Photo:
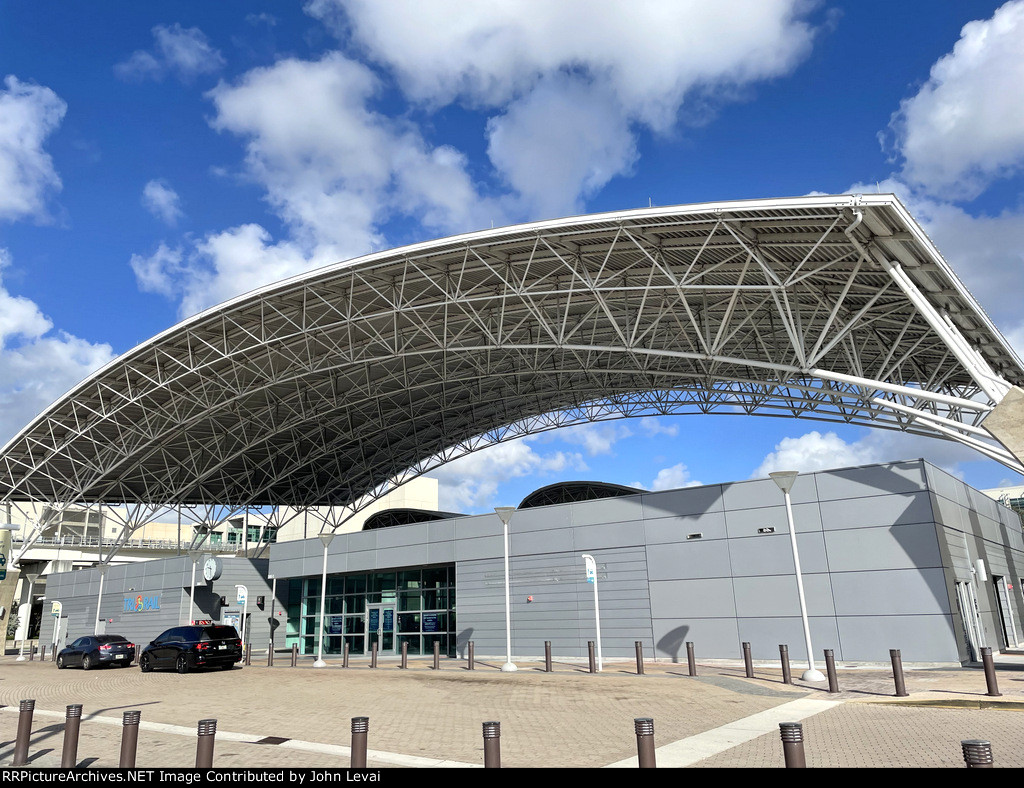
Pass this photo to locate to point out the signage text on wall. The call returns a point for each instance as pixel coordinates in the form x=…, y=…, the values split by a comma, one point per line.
x=141, y=604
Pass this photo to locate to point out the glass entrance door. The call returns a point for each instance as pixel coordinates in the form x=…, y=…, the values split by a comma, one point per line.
x=380, y=628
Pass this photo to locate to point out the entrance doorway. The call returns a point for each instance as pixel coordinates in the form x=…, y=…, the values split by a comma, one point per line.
x=968, y=604
x=380, y=629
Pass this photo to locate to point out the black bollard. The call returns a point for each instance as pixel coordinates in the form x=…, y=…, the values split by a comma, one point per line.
x=492, y=745
x=207, y=732
x=437, y=655
x=129, y=738
x=639, y=657
x=547, y=656
x=470, y=654
x=360, y=727
x=644, y=727
x=72, y=725
x=990, y=673
x=830, y=669
x=793, y=744
x=25, y=709
x=405, y=655
x=787, y=674
x=977, y=753
x=897, y=672
x=295, y=654
x=590, y=654
x=748, y=664
x=691, y=661
x=373, y=656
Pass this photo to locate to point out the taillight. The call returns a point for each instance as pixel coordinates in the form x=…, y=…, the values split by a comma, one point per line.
x=202, y=646
x=104, y=648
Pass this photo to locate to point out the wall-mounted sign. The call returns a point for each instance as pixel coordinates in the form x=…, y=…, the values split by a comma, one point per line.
x=430, y=622
x=141, y=604
x=55, y=609
x=335, y=625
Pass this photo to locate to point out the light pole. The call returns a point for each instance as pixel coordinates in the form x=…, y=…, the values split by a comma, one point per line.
x=591, y=568
x=194, y=555
x=102, y=569
x=785, y=480
x=505, y=514
x=326, y=539
x=28, y=616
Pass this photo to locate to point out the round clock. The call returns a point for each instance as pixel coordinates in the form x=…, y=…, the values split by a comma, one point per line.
x=212, y=569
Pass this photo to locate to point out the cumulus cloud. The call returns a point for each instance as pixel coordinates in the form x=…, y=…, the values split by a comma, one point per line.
x=567, y=78
x=162, y=201
x=470, y=482
x=671, y=478
x=37, y=365
x=965, y=127
x=28, y=115
x=181, y=52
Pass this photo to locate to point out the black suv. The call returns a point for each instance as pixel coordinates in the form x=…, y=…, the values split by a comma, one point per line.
x=185, y=648
x=95, y=650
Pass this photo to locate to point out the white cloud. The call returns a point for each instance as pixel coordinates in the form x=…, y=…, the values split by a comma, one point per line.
x=184, y=53
x=653, y=425
x=569, y=76
x=596, y=439
x=36, y=365
x=470, y=482
x=28, y=115
x=162, y=201
x=965, y=127
x=673, y=478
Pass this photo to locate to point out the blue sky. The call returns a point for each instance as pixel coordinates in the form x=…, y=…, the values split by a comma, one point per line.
x=156, y=159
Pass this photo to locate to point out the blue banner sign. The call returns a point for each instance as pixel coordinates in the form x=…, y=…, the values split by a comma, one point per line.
x=430, y=622
x=141, y=604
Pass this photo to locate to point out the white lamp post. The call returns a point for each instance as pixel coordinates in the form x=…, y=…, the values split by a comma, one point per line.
x=28, y=616
x=591, y=568
x=195, y=555
x=102, y=569
x=326, y=538
x=785, y=480
x=505, y=514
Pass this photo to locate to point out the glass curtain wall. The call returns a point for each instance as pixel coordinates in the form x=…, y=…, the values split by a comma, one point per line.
x=423, y=599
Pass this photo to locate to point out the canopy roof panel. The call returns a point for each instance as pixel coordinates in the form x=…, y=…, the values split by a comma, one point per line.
x=340, y=383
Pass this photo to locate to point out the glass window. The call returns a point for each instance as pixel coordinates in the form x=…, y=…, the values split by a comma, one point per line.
x=435, y=577
x=355, y=584
x=384, y=581
x=409, y=600
x=335, y=585
x=409, y=579
x=409, y=622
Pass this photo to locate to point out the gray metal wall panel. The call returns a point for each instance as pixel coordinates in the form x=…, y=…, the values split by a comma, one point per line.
x=776, y=595
x=896, y=592
x=765, y=634
x=919, y=638
x=746, y=522
x=694, y=559
x=772, y=554
x=694, y=501
x=689, y=598
x=553, y=541
x=877, y=510
x=610, y=510
x=629, y=533
x=898, y=478
x=712, y=638
x=666, y=530
x=898, y=547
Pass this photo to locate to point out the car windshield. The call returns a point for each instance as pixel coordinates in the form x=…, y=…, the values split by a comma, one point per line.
x=220, y=633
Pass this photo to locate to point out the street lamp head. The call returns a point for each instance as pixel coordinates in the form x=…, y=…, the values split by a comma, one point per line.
x=504, y=513
x=326, y=538
x=784, y=479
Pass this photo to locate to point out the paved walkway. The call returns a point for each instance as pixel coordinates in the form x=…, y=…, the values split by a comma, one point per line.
x=300, y=717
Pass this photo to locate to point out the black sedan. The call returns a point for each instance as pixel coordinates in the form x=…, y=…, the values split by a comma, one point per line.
x=185, y=648
x=96, y=650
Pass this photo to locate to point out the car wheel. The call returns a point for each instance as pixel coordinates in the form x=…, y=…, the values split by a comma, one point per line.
x=144, y=664
x=60, y=663
x=86, y=662
x=182, y=664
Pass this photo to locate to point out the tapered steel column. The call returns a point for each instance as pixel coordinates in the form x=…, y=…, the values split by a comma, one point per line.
x=470, y=655
x=360, y=727
x=787, y=674
x=129, y=738
x=405, y=655
x=644, y=727
x=691, y=661
x=72, y=725
x=748, y=664
x=897, y=672
x=990, y=672
x=373, y=656
x=590, y=654
x=437, y=655
x=830, y=669
x=547, y=656
x=639, y=657
x=344, y=655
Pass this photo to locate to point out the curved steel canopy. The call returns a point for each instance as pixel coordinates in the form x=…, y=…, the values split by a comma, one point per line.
x=347, y=380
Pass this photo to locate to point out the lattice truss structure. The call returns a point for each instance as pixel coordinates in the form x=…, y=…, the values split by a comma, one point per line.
x=334, y=387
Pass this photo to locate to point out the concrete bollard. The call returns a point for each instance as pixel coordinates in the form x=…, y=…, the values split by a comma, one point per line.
x=748, y=664
x=547, y=656
x=129, y=738
x=25, y=710
x=977, y=753
x=492, y=745
x=72, y=725
x=897, y=672
x=591, y=657
x=470, y=655
x=639, y=657
x=373, y=656
x=405, y=655
x=206, y=732
x=295, y=654
x=793, y=744
x=644, y=727
x=360, y=728
x=344, y=655
x=990, y=673
x=437, y=655
x=787, y=673
x=830, y=669
x=691, y=661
